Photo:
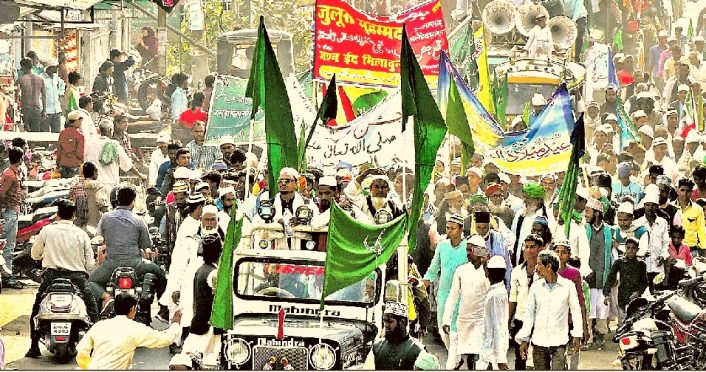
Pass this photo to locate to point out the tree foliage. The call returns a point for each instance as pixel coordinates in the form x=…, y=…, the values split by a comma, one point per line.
x=283, y=15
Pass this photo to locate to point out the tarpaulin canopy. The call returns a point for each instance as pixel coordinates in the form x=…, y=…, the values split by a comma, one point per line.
x=55, y=4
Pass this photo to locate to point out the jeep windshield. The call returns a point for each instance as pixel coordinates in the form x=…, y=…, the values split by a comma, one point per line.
x=288, y=280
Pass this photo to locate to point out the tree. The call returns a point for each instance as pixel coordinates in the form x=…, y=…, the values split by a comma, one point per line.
x=283, y=15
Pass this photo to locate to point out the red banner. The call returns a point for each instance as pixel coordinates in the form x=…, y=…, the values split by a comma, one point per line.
x=365, y=50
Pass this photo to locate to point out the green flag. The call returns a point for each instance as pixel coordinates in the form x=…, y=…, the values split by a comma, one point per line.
x=618, y=40
x=501, y=102
x=367, y=101
x=690, y=31
x=267, y=89
x=628, y=131
x=327, y=111
x=354, y=249
x=222, y=308
x=72, y=104
x=457, y=122
x=526, y=113
x=567, y=196
x=429, y=128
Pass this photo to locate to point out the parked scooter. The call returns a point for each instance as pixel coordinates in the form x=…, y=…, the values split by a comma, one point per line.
x=62, y=319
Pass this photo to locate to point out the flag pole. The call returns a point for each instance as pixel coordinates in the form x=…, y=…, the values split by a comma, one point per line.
x=247, y=166
x=403, y=248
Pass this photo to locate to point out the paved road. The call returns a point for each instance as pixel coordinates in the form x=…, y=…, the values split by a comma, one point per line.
x=16, y=305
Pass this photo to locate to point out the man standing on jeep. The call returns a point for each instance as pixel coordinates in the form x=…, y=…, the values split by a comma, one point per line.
x=379, y=200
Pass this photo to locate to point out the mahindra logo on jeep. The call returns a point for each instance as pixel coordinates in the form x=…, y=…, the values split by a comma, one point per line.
x=289, y=343
x=303, y=311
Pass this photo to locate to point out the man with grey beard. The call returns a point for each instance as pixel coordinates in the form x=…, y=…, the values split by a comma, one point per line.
x=453, y=204
x=193, y=244
x=498, y=204
x=379, y=201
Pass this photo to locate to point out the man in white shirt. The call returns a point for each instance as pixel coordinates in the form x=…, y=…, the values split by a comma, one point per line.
x=549, y=303
x=111, y=343
x=496, y=335
x=159, y=156
x=96, y=152
x=468, y=289
x=65, y=251
x=658, y=245
x=539, y=41
x=521, y=280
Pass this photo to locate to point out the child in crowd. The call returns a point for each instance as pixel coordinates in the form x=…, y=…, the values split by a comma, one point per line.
x=633, y=277
x=678, y=251
x=496, y=335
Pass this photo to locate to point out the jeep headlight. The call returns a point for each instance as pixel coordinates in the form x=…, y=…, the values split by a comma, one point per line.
x=237, y=351
x=322, y=356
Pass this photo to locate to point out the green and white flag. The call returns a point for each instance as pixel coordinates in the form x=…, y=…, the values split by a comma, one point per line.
x=354, y=249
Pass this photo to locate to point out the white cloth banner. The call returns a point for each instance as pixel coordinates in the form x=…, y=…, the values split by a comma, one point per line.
x=596, y=69
x=374, y=137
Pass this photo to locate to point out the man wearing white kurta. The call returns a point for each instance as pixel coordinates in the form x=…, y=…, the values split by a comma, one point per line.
x=539, y=41
x=184, y=251
x=209, y=226
x=469, y=289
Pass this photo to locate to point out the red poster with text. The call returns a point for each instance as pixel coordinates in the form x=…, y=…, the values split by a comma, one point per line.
x=365, y=50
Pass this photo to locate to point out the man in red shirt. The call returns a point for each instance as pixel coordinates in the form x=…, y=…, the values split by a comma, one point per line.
x=182, y=129
x=69, y=153
x=12, y=197
x=194, y=113
x=625, y=75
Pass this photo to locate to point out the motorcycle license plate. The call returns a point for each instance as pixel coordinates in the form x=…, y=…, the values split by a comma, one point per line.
x=130, y=291
x=61, y=329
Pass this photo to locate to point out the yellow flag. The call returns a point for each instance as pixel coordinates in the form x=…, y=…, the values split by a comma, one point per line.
x=485, y=95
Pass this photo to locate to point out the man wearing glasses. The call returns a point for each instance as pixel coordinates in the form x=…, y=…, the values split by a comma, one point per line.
x=288, y=199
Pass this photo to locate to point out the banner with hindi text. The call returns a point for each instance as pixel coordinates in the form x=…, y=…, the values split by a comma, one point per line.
x=365, y=50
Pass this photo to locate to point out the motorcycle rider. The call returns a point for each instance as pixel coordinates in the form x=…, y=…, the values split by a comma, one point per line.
x=126, y=238
x=66, y=252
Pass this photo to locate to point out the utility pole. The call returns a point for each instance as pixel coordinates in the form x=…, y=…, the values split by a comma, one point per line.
x=162, y=37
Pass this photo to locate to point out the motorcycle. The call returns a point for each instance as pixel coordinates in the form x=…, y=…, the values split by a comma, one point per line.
x=125, y=280
x=62, y=319
x=28, y=227
x=646, y=342
x=164, y=256
x=688, y=321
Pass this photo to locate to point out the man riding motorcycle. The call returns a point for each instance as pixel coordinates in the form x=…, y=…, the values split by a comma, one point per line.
x=65, y=251
x=125, y=236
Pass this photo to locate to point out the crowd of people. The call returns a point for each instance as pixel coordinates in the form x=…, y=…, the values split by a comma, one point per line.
x=496, y=269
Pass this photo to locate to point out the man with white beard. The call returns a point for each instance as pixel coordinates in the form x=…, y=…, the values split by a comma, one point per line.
x=379, y=201
x=182, y=254
x=498, y=205
x=522, y=224
x=453, y=204
x=209, y=226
